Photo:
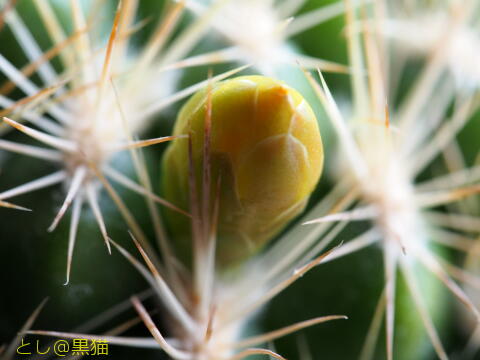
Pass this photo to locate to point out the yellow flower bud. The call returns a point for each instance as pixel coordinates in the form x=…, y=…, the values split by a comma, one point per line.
x=266, y=147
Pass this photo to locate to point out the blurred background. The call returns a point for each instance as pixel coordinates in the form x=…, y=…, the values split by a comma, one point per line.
x=33, y=261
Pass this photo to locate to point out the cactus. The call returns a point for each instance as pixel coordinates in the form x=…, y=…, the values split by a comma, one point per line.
x=89, y=81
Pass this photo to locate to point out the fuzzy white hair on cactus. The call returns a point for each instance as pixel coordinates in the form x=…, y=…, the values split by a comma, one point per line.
x=449, y=31
x=258, y=32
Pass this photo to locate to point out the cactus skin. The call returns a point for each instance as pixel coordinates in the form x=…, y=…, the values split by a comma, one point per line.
x=265, y=144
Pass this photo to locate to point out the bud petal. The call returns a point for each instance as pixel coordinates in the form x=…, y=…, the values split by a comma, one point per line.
x=265, y=145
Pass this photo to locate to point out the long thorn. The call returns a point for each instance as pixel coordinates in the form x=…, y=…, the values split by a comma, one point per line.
x=72, y=236
x=93, y=201
x=286, y=330
x=77, y=180
x=171, y=300
x=170, y=350
x=35, y=185
x=60, y=144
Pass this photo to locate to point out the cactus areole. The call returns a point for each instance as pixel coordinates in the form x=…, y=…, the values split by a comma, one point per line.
x=266, y=147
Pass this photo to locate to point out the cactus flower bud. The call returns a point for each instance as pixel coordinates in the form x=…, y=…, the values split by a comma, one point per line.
x=266, y=147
